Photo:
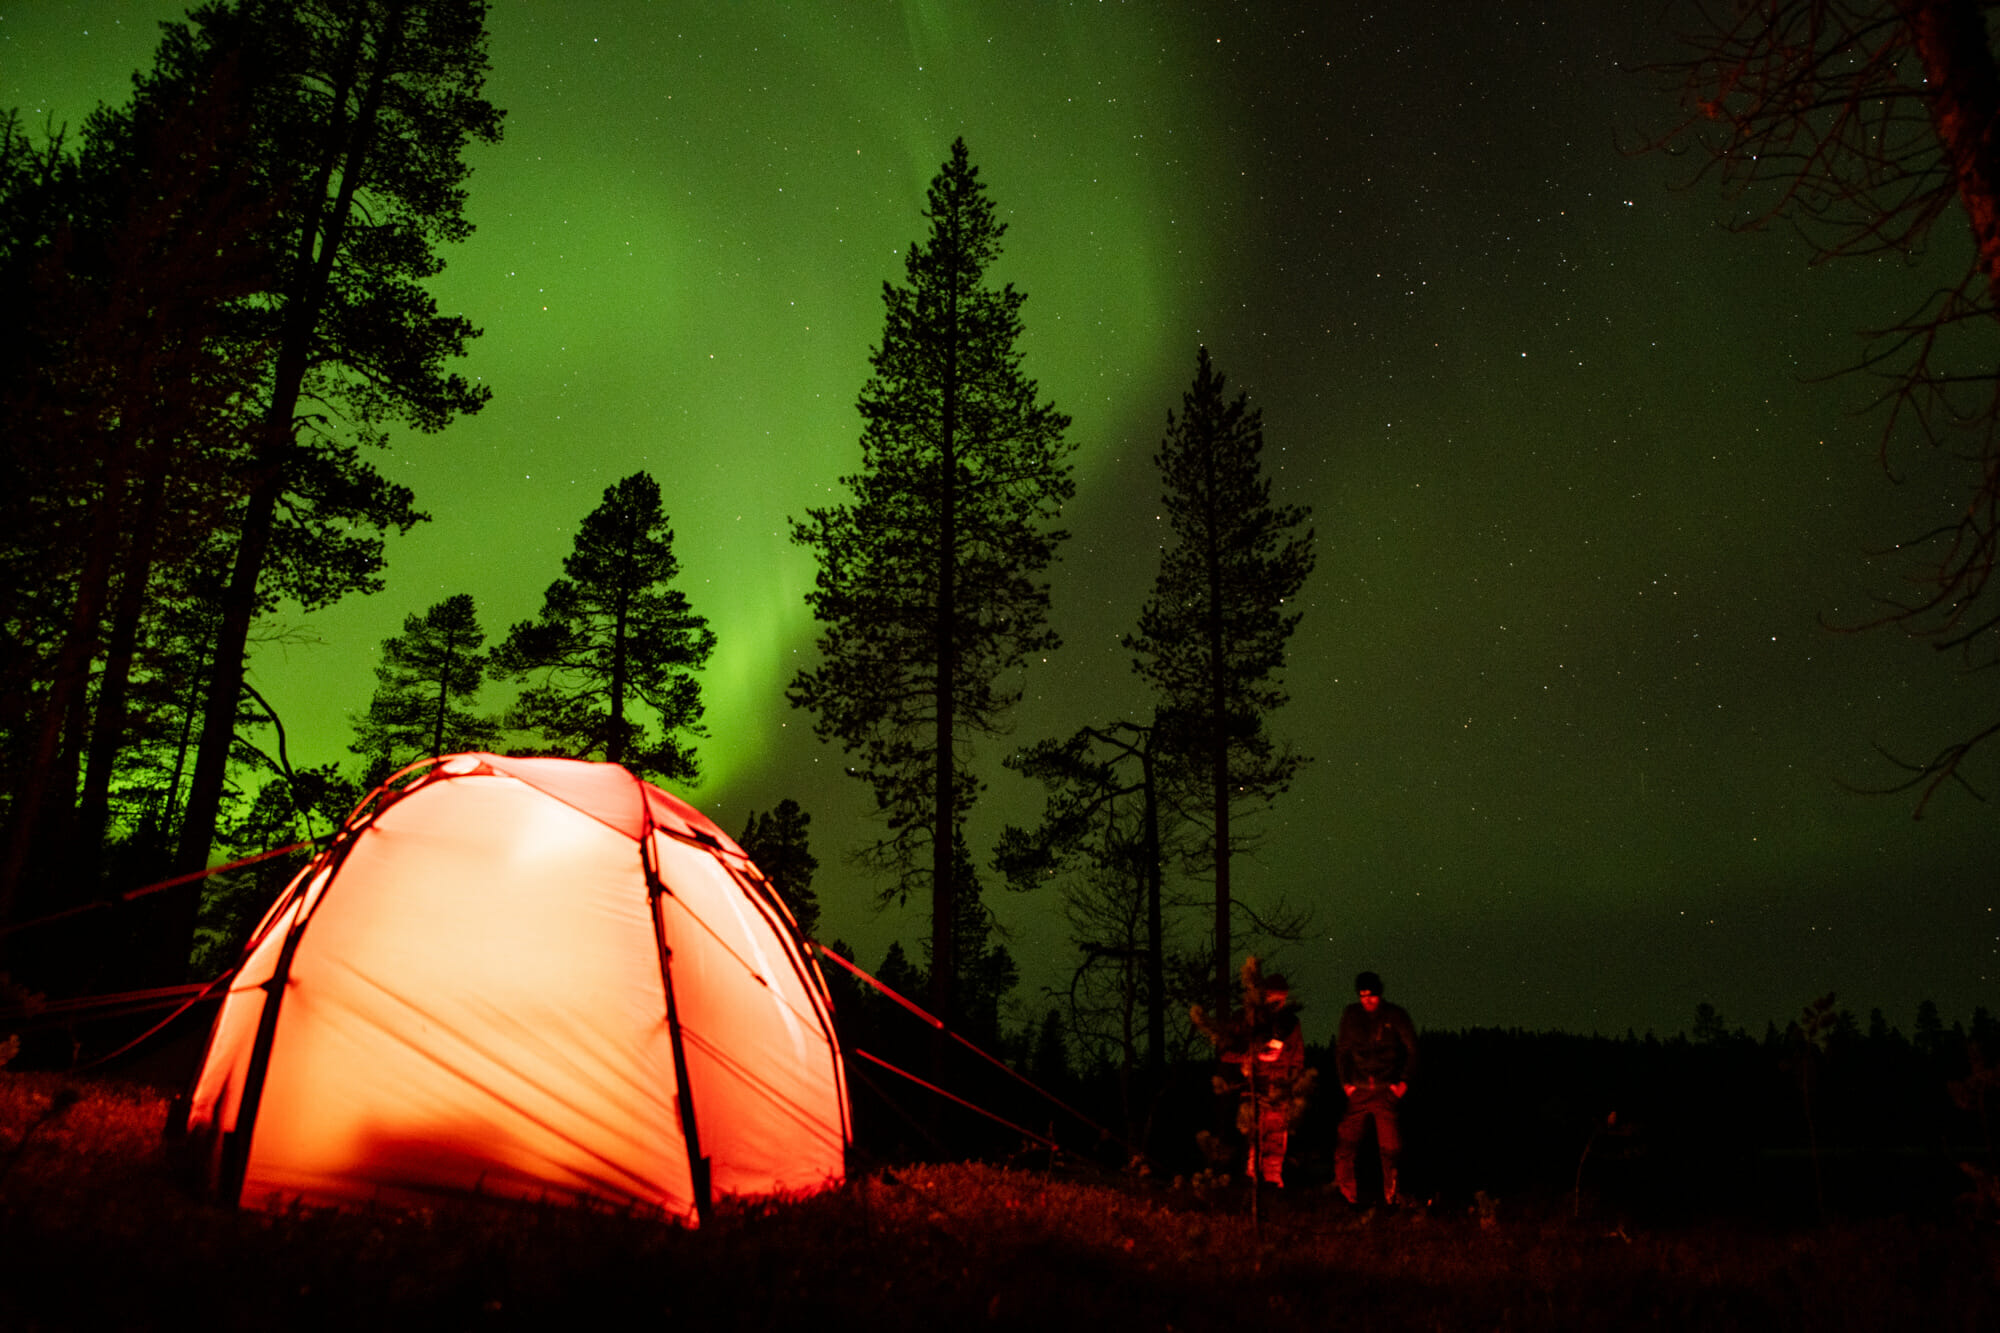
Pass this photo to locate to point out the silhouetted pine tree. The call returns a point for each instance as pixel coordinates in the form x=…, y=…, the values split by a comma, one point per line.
x=614, y=641
x=930, y=593
x=1212, y=638
x=988, y=972
x=428, y=674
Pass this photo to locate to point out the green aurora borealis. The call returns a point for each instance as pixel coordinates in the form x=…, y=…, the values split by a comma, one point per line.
x=1580, y=737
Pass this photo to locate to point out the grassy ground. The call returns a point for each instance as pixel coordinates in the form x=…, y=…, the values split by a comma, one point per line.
x=95, y=1233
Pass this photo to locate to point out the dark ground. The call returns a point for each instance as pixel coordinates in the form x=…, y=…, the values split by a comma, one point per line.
x=1551, y=1182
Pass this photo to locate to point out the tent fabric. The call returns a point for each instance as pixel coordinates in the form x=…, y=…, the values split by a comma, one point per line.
x=531, y=978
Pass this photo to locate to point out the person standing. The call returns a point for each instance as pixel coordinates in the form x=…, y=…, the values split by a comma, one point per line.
x=1264, y=1049
x=1275, y=1091
x=1377, y=1054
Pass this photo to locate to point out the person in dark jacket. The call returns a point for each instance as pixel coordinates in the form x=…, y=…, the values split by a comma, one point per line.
x=1377, y=1054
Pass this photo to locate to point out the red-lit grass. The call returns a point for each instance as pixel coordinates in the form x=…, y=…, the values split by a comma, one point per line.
x=95, y=1233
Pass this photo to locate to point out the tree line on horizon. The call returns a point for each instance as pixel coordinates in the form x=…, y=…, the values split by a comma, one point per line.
x=222, y=314
x=1822, y=1114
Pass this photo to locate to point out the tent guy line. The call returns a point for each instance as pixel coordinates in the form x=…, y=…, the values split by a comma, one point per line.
x=939, y=1025
x=160, y=886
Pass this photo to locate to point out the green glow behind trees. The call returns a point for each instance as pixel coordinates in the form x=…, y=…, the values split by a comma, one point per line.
x=1560, y=667
x=930, y=592
x=301, y=807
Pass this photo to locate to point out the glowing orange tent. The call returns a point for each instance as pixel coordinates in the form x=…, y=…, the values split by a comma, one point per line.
x=535, y=978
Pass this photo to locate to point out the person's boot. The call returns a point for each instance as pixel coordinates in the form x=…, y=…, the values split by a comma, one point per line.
x=1389, y=1185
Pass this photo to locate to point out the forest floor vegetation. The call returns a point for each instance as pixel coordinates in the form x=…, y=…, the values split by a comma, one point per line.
x=97, y=1232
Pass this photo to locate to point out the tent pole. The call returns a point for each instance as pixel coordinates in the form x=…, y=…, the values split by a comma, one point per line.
x=234, y=1164
x=698, y=1167
x=235, y=1156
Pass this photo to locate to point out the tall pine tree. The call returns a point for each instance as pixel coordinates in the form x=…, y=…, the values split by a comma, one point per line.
x=428, y=675
x=359, y=114
x=614, y=641
x=1211, y=640
x=930, y=594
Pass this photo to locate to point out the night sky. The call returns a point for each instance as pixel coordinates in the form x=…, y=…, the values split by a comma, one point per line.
x=1584, y=751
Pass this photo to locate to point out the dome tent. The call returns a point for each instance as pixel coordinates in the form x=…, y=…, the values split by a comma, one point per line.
x=536, y=978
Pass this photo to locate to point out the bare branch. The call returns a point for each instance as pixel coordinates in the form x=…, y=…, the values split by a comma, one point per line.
x=1860, y=124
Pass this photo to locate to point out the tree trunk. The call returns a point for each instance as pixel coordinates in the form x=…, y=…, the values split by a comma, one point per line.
x=1156, y=967
x=944, y=845
x=1218, y=740
x=615, y=751
x=190, y=705
x=320, y=237
x=218, y=723
x=32, y=825
x=1949, y=37
x=107, y=734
